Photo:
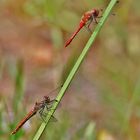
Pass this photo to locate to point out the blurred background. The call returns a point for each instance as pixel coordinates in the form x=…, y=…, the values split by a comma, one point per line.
x=103, y=100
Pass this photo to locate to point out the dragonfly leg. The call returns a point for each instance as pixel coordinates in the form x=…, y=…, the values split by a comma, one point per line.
x=95, y=20
x=100, y=17
x=88, y=29
x=51, y=102
x=54, y=100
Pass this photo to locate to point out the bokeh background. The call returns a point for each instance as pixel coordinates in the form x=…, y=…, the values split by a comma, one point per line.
x=103, y=100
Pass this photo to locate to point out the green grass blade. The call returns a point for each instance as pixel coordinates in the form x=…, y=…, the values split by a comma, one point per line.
x=19, y=85
x=75, y=68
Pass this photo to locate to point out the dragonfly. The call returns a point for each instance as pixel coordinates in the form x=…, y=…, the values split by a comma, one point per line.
x=86, y=21
x=38, y=107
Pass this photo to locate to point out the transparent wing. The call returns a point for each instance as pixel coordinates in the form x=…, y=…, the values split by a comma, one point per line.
x=43, y=115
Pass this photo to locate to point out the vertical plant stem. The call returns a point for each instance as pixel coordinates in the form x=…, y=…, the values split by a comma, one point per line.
x=75, y=68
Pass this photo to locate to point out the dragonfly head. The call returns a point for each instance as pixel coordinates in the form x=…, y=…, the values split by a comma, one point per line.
x=47, y=98
x=95, y=12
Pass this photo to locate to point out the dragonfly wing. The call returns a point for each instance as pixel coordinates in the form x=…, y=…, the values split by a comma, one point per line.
x=44, y=115
x=53, y=119
x=49, y=105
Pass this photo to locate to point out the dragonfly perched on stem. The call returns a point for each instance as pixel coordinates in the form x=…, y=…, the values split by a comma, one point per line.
x=38, y=107
x=86, y=21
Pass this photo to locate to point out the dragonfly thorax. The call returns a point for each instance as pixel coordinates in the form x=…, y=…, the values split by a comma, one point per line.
x=47, y=98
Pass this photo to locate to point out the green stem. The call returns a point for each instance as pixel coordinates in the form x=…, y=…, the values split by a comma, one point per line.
x=75, y=68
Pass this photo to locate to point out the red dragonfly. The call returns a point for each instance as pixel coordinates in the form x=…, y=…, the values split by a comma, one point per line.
x=38, y=107
x=86, y=20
